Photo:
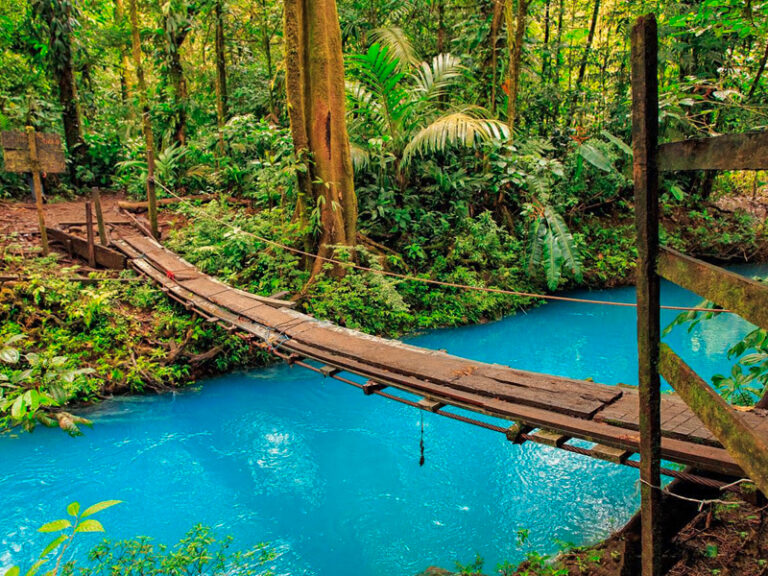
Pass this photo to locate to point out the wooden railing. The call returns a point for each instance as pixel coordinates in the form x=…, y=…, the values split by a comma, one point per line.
x=739, y=295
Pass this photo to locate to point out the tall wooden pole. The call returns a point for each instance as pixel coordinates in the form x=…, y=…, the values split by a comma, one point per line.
x=96, y=197
x=89, y=235
x=37, y=185
x=645, y=127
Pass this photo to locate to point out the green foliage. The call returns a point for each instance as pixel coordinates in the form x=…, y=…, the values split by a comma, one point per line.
x=32, y=385
x=67, y=529
x=200, y=551
x=86, y=341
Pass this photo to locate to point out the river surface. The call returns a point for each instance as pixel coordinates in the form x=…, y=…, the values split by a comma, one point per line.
x=331, y=478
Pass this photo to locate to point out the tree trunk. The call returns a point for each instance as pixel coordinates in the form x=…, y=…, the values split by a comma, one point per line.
x=498, y=13
x=222, y=104
x=545, y=58
x=760, y=70
x=440, y=27
x=180, y=96
x=58, y=18
x=316, y=106
x=125, y=84
x=516, y=34
x=176, y=31
x=149, y=137
x=267, y=47
x=555, y=73
x=585, y=59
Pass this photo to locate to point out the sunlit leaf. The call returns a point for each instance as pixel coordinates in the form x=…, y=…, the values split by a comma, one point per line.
x=91, y=510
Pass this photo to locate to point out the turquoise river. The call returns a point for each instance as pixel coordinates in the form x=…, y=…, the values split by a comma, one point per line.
x=330, y=478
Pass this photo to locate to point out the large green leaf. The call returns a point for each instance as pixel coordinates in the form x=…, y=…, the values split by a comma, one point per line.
x=564, y=239
x=595, y=157
x=55, y=526
x=90, y=525
x=91, y=510
x=53, y=544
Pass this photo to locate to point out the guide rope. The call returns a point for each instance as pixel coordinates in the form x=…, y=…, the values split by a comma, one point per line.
x=411, y=278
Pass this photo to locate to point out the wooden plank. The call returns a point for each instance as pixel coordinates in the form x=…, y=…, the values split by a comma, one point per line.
x=744, y=296
x=105, y=257
x=549, y=438
x=748, y=448
x=727, y=152
x=645, y=126
x=610, y=454
x=514, y=433
x=370, y=387
x=431, y=404
x=328, y=371
x=16, y=153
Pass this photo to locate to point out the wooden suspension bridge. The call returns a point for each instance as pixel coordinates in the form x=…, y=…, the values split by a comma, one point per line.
x=541, y=408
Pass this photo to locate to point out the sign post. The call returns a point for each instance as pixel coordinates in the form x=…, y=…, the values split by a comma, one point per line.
x=34, y=153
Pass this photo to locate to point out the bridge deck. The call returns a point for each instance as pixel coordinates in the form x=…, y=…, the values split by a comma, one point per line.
x=606, y=415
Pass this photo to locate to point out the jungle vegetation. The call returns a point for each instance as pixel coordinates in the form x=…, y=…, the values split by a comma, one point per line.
x=477, y=143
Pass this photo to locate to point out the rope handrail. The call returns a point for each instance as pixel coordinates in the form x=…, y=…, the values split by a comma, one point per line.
x=443, y=283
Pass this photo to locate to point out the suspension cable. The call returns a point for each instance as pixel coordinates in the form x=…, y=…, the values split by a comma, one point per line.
x=411, y=278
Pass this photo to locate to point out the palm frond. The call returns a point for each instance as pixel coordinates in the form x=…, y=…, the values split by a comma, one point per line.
x=462, y=128
x=360, y=156
x=431, y=80
x=398, y=44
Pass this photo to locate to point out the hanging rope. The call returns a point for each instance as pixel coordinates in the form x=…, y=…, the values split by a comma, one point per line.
x=411, y=278
x=421, y=442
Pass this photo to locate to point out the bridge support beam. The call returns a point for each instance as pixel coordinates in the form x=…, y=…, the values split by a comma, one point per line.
x=645, y=126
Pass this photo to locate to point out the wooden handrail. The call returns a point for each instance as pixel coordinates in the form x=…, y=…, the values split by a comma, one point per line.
x=728, y=152
x=746, y=297
x=741, y=441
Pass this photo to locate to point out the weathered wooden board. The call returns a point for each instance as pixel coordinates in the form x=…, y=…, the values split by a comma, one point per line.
x=104, y=256
x=728, y=152
x=732, y=291
x=747, y=446
x=49, y=152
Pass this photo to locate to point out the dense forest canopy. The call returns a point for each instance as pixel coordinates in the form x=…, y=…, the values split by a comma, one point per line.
x=513, y=110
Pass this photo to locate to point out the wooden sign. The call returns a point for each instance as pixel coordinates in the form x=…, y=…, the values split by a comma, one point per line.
x=50, y=154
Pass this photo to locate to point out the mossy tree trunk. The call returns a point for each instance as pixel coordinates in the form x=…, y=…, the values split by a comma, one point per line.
x=516, y=23
x=316, y=106
x=149, y=137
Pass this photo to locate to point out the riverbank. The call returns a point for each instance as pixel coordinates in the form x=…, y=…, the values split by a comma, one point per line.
x=89, y=310
x=136, y=340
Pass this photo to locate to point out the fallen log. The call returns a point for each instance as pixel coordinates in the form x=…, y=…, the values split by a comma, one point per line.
x=142, y=206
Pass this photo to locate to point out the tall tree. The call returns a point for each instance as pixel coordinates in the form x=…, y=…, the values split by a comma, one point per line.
x=149, y=138
x=177, y=22
x=585, y=58
x=516, y=23
x=222, y=96
x=498, y=13
x=316, y=106
x=57, y=17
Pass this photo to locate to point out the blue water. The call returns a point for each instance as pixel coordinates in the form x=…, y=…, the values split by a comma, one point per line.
x=330, y=477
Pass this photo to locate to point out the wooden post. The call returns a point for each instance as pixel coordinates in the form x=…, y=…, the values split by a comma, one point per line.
x=89, y=235
x=645, y=127
x=96, y=196
x=37, y=185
